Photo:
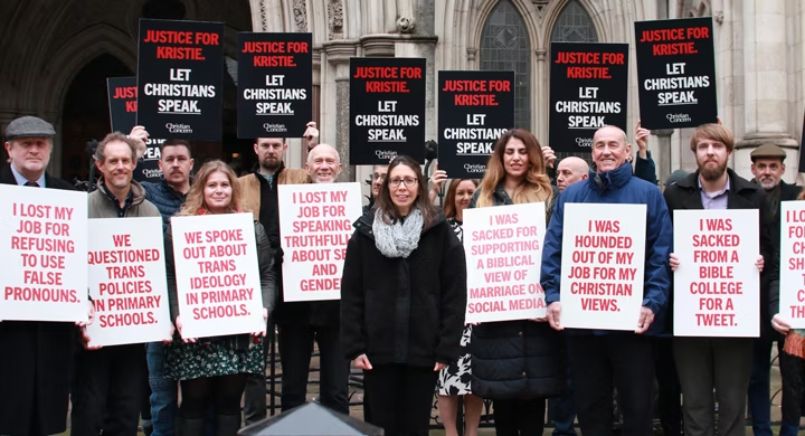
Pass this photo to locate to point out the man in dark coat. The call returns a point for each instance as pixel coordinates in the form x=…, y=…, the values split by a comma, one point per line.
x=37, y=356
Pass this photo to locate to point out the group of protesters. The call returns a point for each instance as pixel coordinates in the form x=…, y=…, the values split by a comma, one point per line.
x=403, y=295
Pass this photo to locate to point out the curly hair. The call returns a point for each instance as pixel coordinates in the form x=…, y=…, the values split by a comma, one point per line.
x=195, y=197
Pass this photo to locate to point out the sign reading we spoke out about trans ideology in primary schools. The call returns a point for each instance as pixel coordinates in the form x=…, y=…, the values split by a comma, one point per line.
x=716, y=286
x=43, y=238
x=315, y=224
x=792, y=263
x=217, y=276
x=503, y=248
x=127, y=282
x=676, y=73
x=603, y=261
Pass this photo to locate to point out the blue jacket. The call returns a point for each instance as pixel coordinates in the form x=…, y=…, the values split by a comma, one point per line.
x=165, y=198
x=617, y=186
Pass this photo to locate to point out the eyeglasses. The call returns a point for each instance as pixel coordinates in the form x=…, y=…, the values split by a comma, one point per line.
x=408, y=181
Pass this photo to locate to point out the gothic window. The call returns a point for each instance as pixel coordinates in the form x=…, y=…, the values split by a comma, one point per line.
x=574, y=25
x=505, y=47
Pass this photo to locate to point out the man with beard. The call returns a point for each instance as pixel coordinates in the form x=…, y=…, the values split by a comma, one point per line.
x=259, y=195
x=705, y=363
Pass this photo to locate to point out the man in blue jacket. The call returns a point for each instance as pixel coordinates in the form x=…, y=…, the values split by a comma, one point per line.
x=600, y=359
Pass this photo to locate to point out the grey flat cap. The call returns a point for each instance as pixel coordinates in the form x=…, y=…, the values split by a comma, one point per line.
x=29, y=126
x=767, y=151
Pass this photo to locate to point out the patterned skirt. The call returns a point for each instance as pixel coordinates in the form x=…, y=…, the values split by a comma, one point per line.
x=214, y=357
x=455, y=379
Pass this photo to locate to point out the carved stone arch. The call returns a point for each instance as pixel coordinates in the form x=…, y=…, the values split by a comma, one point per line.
x=555, y=11
x=485, y=10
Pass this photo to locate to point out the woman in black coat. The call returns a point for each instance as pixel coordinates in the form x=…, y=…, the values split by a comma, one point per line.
x=403, y=295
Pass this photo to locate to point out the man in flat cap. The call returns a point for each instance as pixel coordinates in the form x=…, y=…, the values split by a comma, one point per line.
x=37, y=356
x=768, y=167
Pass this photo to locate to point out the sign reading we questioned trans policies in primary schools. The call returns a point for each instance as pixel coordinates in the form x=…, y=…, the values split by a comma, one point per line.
x=217, y=275
x=716, y=286
x=127, y=282
x=603, y=262
x=43, y=241
x=503, y=247
x=315, y=224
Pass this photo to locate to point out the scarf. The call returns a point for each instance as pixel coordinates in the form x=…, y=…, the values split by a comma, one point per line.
x=399, y=238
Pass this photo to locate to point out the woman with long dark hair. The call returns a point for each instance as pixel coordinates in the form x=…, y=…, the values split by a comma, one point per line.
x=403, y=295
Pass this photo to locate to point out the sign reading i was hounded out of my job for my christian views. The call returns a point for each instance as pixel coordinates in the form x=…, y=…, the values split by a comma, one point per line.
x=275, y=81
x=792, y=263
x=603, y=263
x=588, y=91
x=676, y=73
x=315, y=224
x=43, y=238
x=503, y=247
x=127, y=282
x=386, y=109
x=217, y=275
x=122, y=96
x=475, y=109
x=179, y=79
x=716, y=286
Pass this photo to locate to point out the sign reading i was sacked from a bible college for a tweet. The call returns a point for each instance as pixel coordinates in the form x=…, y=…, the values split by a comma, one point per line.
x=676, y=73
x=180, y=71
x=386, y=109
x=603, y=263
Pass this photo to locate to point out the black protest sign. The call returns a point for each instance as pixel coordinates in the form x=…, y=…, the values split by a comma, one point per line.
x=386, y=109
x=122, y=94
x=676, y=73
x=475, y=109
x=588, y=90
x=275, y=82
x=179, y=77
x=802, y=148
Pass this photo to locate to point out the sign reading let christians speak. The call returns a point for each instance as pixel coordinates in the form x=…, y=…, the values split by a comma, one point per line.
x=127, y=282
x=792, y=263
x=603, y=262
x=217, y=276
x=676, y=73
x=716, y=286
x=475, y=109
x=386, y=109
x=315, y=224
x=43, y=238
x=275, y=81
x=180, y=69
x=504, y=248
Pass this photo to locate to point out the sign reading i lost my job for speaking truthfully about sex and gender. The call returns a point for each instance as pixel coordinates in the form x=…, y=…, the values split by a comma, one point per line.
x=588, y=91
x=475, y=109
x=217, y=275
x=792, y=263
x=275, y=81
x=179, y=75
x=603, y=262
x=503, y=247
x=716, y=286
x=127, y=282
x=386, y=109
x=43, y=238
x=676, y=73
x=315, y=224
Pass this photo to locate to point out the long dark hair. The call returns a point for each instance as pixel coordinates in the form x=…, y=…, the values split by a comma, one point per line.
x=422, y=202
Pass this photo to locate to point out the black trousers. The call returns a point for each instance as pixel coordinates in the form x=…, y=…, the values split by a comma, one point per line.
x=296, y=347
x=400, y=398
x=599, y=363
x=519, y=417
x=108, y=392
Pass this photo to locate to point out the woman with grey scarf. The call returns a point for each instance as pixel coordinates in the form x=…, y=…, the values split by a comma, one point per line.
x=403, y=295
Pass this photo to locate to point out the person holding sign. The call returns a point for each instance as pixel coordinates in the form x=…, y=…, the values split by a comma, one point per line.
x=516, y=363
x=600, y=359
x=403, y=296
x=34, y=384
x=213, y=370
x=720, y=363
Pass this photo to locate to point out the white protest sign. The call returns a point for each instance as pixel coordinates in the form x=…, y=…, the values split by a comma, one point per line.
x=503, y=247
x=716, y=286
x=792, y=263
x=43, y=246
x=127, y=282
x=217, y=276
x=315, y=224
x=603, y=262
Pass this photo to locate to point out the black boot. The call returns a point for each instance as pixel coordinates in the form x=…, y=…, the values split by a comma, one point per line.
x=227, y=425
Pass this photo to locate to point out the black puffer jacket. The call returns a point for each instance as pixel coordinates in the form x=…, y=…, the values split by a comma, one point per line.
x=404, y=311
